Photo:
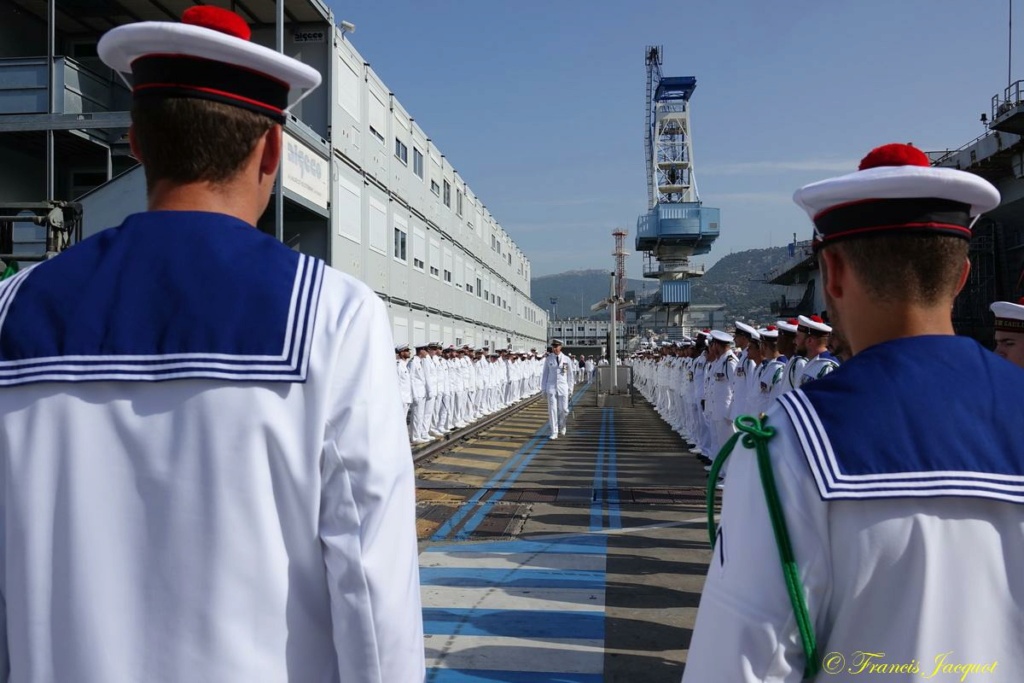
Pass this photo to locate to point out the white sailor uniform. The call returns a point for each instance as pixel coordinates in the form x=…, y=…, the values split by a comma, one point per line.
x=818, y=367
x=907, y=525
x=200, y=484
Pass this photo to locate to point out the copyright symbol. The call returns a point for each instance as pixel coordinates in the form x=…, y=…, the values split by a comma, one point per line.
x=833, y=663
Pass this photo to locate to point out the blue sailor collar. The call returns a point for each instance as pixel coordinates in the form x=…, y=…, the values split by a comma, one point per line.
x=166, y=295
x=905, y=419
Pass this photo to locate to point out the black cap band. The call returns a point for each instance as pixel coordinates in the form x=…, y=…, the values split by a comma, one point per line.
x=1009, y=325
x=184, y=76
x=927, y=215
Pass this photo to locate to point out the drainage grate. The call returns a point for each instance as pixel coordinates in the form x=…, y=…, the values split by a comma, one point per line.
x=501, y=521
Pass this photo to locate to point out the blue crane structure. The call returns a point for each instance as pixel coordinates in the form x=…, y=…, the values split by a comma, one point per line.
x=676, y=225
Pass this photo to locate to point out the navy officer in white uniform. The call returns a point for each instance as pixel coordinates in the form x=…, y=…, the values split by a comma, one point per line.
x=206, y=475
x=900, y=476
x=556, y=383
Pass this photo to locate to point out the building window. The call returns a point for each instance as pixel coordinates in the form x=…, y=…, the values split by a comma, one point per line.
x=435, y=188
x=458, y=202
x=376, y=134
x=447, y=194
x=400, y=240
x=434, y=271
x=447, y=276
x=418, y=263
x=417, y=162
x=479, y=287
x=401, y=151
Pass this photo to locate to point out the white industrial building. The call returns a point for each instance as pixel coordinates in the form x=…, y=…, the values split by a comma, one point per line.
x=583, y=331
x=363, y=186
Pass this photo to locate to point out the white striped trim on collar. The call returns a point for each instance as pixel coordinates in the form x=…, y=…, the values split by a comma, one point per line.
x=834, y=484
x=291, y=365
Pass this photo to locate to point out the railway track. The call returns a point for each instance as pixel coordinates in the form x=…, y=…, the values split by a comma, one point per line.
x=425, y=452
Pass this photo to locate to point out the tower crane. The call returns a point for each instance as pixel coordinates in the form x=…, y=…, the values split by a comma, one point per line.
x=676, y=225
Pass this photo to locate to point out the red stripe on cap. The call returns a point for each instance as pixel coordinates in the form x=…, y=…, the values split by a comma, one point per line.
x=896, y=226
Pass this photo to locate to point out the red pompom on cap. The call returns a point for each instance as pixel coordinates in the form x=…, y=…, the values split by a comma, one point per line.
x=816, y=318
x=217, y=19
x=894, y=154
x=771, y=328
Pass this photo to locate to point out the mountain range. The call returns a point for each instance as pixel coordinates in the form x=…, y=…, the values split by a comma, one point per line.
x=736, y=280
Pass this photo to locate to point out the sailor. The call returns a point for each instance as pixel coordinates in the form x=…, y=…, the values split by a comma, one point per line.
x=791, y=345
x=556, y=382
x=404, y=382
x=206, y=475
x=815, y=334
x=699, y=434
x=771, y=372
x=432, y=381
x=745, y=367
x=418, y=377
x=897, y=492
x=719, y=396
x=1009, y=336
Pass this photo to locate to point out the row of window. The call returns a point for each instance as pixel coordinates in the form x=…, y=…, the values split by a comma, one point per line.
x=401, y=253
x=445, y=191
x=367, y=101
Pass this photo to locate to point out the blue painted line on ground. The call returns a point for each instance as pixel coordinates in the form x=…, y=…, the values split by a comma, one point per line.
x=580, y=545
x=470, y=577
x=492, y=676
x=511, y=623
x=470, y=526
x=597, y=505
x=454, y=520
x=482, y=509
x=614, y=516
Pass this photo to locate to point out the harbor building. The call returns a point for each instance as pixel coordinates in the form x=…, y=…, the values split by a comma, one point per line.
x=362, y=184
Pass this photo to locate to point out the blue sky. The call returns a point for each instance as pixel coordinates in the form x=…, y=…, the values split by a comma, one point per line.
x=540, y=105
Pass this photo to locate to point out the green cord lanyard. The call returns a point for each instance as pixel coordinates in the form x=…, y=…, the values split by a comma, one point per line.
x=756, y=435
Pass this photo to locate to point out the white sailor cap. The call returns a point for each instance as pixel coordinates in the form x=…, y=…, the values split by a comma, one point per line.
x=896, y=189
x=434, y=345
x=206, y=56
x=813, y=325
x=556, y=342
x=770, y=332
x=1009, y=316
x=746, y=329
x=401, y=347
x=723, y=337
x=788, y=326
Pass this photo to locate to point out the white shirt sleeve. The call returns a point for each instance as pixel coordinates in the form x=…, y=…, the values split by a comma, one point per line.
x=746, y=630
x=367, y=511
